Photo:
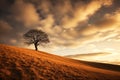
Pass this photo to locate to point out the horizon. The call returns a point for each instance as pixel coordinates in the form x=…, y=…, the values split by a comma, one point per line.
x=73, y=26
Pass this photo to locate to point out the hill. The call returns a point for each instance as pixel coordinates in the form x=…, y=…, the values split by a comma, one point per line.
x=25, y=64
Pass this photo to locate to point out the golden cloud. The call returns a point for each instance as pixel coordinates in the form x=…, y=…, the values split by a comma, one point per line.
x=82, y=13
x=107, y=23
x=67, y=21
x=25, y=12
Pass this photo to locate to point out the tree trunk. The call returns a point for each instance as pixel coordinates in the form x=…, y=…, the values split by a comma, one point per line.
x=36, y=47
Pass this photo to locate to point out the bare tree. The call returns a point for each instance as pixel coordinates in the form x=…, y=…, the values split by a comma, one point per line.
x=36, y=37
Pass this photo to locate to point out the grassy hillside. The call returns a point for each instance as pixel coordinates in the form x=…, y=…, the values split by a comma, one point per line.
x=24, y=64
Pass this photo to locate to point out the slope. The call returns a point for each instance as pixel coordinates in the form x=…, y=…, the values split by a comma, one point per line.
x=25, y=64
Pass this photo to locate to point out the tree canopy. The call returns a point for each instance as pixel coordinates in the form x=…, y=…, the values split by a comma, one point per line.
x=36, y=37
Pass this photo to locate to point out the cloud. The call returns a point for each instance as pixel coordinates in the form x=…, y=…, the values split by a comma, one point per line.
x=106, y=2
x=47, y=24
x=89, y=30
x=88, y=55
x=67, y=22
x=5, y=31
x=4, y=27
x=82, y=12
x=104, y=28
x=25, y=13
x=109, y=21
x=61, y=18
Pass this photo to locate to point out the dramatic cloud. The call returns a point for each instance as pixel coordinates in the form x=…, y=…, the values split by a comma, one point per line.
x=25, y=13
x=73, y=26
x=82, y=12
x=104, y=28
x=109, y=21
x=67, y=22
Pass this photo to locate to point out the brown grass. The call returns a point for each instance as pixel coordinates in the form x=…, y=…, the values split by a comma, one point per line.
x=24, y=64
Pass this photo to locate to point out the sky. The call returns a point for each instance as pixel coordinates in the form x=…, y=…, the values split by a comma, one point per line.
x=73, y=26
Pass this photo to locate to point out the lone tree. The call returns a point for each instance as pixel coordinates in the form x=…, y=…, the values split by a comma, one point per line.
x=36, y=37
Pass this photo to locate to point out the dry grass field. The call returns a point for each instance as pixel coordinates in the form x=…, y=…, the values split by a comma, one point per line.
x=25, y=64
